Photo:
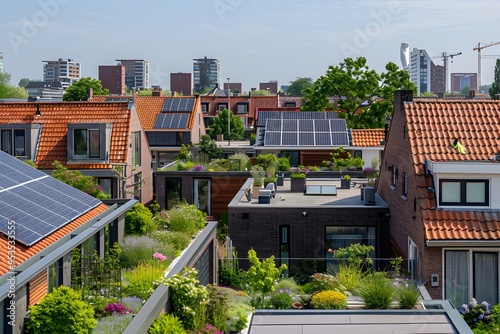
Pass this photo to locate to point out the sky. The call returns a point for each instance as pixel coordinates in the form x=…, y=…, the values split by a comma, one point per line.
x=255, y=40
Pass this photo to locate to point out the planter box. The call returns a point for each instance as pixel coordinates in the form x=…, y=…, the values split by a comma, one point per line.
x=345, y=184
x=297, y=185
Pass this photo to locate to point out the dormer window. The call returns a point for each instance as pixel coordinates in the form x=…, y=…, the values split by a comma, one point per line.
x=463, y=192
x=88, y=141
x=19, y=140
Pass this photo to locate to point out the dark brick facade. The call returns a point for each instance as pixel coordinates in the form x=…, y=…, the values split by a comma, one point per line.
x=258, y=227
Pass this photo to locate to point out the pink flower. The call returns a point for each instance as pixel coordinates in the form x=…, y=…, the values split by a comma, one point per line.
x=159, y=256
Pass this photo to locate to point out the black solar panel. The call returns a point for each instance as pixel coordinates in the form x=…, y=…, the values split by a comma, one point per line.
x=306, y=125
x=322, y=125
x=290, y=139
x=322, y=139
x=37, y=203
x=171, y=121
x=273, y=125
x=272, y=138
x=340, y=139
x=116, y=99
x=338, y=124
x=306, y=139
x=178, y=104
x=290, y=125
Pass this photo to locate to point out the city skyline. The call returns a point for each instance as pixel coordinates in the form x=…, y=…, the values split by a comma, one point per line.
x=255, y=41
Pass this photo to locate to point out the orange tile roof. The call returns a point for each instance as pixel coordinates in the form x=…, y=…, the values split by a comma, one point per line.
x=55, y=118
x=148, y=107
x=23, y=253
x=367, y=137
x=431, y=128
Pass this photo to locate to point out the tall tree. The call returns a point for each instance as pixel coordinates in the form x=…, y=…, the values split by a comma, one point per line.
x=219, y=126
x=80, y=90
x=361, y=95
x=23, y=82
x=298, y=86
x=495, y=86
x=10, y=92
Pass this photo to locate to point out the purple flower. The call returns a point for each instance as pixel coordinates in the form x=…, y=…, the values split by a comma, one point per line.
x=117, y=308
x=197, y=168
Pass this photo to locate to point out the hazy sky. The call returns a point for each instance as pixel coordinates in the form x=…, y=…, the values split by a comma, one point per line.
x=255, y=40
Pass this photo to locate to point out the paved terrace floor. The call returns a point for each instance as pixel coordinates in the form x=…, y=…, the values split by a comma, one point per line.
x=344, y=198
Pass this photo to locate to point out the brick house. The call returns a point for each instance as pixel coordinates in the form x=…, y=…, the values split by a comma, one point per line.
x=439, y=176
x=96, y=138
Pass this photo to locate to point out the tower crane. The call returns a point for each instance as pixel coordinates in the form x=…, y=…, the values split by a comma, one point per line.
x=478, y=48
x=445, y=56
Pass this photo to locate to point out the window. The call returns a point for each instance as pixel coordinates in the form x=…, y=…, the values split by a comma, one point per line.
x=202, y=195
x=88, y=141
x=173, y=194
x=290, y=104
x=413, y=264
x=464, y=192
x=55, y=273
x=394, y=177
x=106, y=184
x=285, y=245
x=344, y=236
x=137, y=186
x=205, y=107
x=221, y=106
x=486, y=276
x=13, y=142
x=136, y=149
x=242, y=108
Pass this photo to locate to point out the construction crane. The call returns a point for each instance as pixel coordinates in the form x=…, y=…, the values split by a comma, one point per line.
x=445, y=56
x=478, y=48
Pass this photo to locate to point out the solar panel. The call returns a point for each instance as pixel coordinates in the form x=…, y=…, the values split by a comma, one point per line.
x=116, y=99
x=178, y=104
x=273, y=125
x=171, y=121
x=36, y=202
x=340, y=139
x=290, y=139
x=321, y=125
x=272, y=138
x=306, y=125
x=338, y=124
x=290, y=125
x=306, y=139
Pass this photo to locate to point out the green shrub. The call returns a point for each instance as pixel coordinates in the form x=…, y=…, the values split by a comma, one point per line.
x=218, y=306
x=284, y=164
x=235, y=278
x=376, y=290
x=287, y=284
x=139, y=282
x=166, y=324
x=137, y=219
x=356, y=254
x=348, y=275
x=244, y=164
x=177, y=241
x=137, y=249
x=184, y=166
x=324, y=282
x=62, y=311
x=329, y=300
x=282, y=300
x=408, y=295
x=238, y=316
x=186, y=218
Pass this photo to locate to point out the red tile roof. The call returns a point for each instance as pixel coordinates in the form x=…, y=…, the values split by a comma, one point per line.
x=55, y=118
x=432, y=126
x=23, y=253
x=367, y=137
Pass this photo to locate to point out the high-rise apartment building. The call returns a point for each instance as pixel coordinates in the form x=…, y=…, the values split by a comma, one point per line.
x=427, y=76
x=1, y=61
x=206, y=73
x=136, y=73
x=113, y=78
x=181, y=83
x=66, y=71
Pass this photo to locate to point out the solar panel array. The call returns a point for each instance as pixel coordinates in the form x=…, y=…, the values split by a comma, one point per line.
x=171, y=121
x=178, y=104
x=116, y=99
x=37, y=203
x=306, y=132
x=265, y=115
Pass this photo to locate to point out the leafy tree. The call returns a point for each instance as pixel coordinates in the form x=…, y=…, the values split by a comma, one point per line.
x=23, y=82
x=364, y=97
x=184, y=152
x=137, y=219
x=77, y=180
x=262, y=276
x=62, y=311
x=465, y=90
x=219, y=126
x=298, y=86
x=210, y=148
x=80, y=90
x=495, y=86
x=10, y=92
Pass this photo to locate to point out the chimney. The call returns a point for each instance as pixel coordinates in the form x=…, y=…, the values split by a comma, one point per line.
x=157, y=91
x=91, y=93
x=400, y=97
x=440, y=95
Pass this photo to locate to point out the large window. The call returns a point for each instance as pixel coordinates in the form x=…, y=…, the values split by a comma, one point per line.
x=88, y=141
x=344, y=236
x=136, y=149
x=464, y=192
x=173, y=194
x=242, y=108
x=137, y=186
x=205, y=107
x=285, y=245
x=486, y=277
x=456, y=277
x=13, y=142
x=202, y=195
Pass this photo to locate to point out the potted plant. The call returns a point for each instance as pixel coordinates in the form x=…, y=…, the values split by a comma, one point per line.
x=345, y=182
x=253, y=138
x=298, y=179
x=258, y=179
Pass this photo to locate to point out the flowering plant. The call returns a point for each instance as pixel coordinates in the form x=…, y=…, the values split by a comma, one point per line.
x=117, y=308
x=159, y=256
x=475, y=313
x=197, y=168
x=209, y=329
x=299, y=172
